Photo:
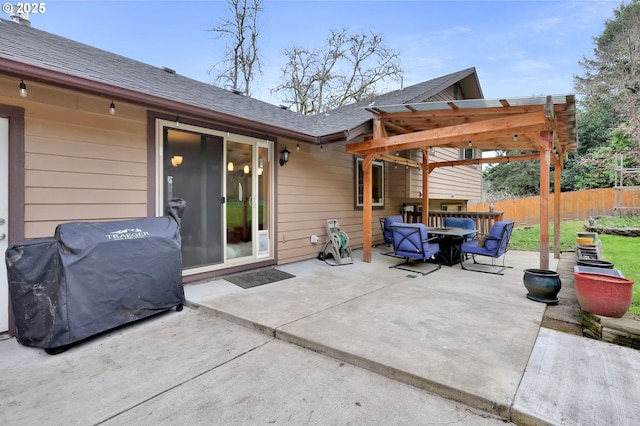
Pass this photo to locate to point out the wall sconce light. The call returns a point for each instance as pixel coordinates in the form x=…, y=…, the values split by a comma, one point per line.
x=176, y=160
x=230, y=166
x=285, y=156
x=112, y=108
x=177, y=121
x=23, y=89
x=432, y=150
x=246, y=169
x=515, y=138
x=297, y=147
x=470, y=144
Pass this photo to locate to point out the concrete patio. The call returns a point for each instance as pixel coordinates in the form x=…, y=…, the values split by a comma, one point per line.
x=358, y=344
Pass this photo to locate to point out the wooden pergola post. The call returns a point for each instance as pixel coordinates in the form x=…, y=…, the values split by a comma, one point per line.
x=367, y=206
x=557, y=164
x=425, y=187
x=544, y=205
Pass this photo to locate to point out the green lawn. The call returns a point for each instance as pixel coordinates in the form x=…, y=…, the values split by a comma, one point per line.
x=622, y=251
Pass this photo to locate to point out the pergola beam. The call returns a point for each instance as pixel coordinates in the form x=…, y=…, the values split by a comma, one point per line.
x=489, y=160
x=480, y=130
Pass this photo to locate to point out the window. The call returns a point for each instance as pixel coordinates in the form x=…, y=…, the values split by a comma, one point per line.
x=467, y=154
x=377, y=178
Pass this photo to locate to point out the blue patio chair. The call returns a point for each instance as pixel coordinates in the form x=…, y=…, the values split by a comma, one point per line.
x=460, y=222
x=410, y=240
x=495, y=245
x=386, y=224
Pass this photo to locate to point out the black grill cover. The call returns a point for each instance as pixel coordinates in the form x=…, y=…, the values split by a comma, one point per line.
x=93, y=276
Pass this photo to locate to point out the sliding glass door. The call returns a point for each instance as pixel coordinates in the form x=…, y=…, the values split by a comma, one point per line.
x=196, y=179
x=248, y=206
x=227, y=182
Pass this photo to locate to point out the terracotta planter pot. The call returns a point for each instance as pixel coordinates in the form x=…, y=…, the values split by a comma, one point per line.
x=601, y=294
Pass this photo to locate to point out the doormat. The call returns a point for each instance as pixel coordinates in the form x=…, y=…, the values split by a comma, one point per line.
x=257, y=278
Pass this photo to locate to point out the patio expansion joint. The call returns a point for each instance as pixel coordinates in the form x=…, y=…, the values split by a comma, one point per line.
x=177, y=385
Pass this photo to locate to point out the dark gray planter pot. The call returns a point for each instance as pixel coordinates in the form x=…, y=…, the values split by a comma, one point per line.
x=543, y=285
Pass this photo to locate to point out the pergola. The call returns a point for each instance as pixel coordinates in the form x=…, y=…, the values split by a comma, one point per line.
x=545, y=126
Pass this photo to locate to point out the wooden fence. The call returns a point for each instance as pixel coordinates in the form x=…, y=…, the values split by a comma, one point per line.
x=573, y=205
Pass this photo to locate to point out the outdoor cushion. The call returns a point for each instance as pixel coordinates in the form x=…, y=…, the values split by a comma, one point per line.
x=495, y=235
x=388, y=222
x=460, y=222
x=410, y=240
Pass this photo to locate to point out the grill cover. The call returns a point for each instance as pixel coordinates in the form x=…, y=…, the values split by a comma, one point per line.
x=94, y=276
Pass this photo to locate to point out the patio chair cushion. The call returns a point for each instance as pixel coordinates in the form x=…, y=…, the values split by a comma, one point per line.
x=495, y=234
x=388, y=221
x=496, y=242
x=460, y=222
x=410, y=240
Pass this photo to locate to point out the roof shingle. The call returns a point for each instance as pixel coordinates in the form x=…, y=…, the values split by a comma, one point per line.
x=48, y=51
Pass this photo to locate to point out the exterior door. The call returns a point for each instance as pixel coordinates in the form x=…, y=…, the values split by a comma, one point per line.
x=4, y=222
x=192, y=170
x=227, y=181
x=240, y=197
x=249, y=194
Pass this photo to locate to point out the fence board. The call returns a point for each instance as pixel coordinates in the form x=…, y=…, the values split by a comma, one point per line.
x=573, y=205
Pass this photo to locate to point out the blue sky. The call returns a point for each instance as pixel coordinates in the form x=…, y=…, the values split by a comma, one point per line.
x=519, y=48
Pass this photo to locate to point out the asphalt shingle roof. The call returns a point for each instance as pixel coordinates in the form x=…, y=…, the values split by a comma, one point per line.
x=37, y=48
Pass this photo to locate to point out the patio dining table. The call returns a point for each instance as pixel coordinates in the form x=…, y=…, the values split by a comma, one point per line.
x=450, y=240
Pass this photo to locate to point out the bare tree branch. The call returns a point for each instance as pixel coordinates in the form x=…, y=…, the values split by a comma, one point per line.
x=241, y=60
x=348, y=69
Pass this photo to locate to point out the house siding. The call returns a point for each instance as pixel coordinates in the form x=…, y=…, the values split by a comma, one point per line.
x=83, y=164
x=77, y=165
x=317, y=185
x=451, y=183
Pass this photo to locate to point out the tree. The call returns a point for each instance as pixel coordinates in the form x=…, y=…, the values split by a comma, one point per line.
x=609, y=120
x=241, y=61
x=520, y=178
x=348, y=69
x=613, y=74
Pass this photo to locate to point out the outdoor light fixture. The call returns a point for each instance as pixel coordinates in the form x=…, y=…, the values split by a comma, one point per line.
x=176, y=160
x=432, y=150
x=23, y=89
x=285, y=156
x=321, y=148
x=177, y=121
x=297, y=147
x=470, y=144
x=246, y=169
x=515, y=138
x=112, y=108
x=230, y=166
